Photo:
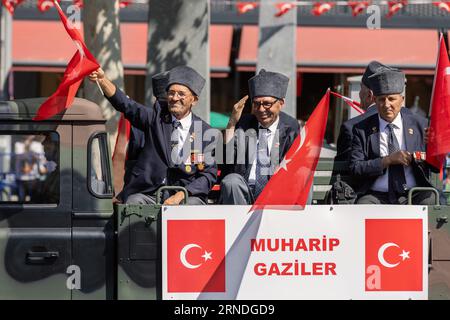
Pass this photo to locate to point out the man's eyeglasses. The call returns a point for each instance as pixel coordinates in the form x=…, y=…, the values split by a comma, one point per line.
x=182, y=95
x=265, y=104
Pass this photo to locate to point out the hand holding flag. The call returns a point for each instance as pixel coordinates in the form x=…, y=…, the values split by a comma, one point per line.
x=297, y=168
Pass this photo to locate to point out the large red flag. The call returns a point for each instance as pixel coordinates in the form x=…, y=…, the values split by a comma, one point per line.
x=289, y=186
x=81, y=65
x=439, y=136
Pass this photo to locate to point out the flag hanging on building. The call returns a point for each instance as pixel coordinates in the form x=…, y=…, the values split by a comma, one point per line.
x=296, y=170
x=81, y=65
x=283, y=8
x=321, y=8
x=394, y=7
x=243, y=7
x=11, y=5
x=358, y=7
x=439, y=133
x=443, y=5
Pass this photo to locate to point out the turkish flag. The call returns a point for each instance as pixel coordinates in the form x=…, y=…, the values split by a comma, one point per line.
x=394, y=256
x=283, y=8
x=321, y=8
x=120, y=152
x=45, y=5
x=439, y=132
x=395, y=6
x=81, y=65
x=243, y=7
x=296, y=170
x=358, y=7
x=11, y=5
x=196, y=255
x=443, y=5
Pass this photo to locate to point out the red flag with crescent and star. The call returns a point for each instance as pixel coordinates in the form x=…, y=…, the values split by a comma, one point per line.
x=196, y=255
x=81, y=65
x=439, y=133
x=394, y=255
x=296, y=170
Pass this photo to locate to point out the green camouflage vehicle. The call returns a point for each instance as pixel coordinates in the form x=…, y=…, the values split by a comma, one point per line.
x=61, y=237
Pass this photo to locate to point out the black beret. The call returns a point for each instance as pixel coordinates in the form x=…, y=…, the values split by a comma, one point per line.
x=188, y=77
x=387, y=81
x=159, y=84
x=268, y=84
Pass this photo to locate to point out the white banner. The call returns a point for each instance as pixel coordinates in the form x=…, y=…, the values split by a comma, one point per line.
x=322, y=252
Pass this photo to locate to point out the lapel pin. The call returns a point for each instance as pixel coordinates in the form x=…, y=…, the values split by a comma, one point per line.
x=374, y=129
x=410, y=131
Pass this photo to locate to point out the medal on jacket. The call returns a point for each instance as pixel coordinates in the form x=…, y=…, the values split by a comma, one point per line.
x=419, y=155
x=188, y=168
x=200, y=161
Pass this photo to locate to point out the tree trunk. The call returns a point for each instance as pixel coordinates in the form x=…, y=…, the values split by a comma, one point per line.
x=102, y=37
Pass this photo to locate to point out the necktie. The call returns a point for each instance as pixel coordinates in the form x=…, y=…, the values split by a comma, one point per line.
x=176, y=139
x=262, y=162
x=176, y=124
x=396, y=175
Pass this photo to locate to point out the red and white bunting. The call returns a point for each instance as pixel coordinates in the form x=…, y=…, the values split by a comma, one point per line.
x=283, y=8
x=358, y=7
x=320, y=8
x=443, y=5
x=243, y=7
x=395, y=6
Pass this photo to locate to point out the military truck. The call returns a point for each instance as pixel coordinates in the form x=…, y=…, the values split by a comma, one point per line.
x=61, y=237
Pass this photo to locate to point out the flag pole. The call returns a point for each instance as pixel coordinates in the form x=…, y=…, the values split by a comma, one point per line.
x=99, y=88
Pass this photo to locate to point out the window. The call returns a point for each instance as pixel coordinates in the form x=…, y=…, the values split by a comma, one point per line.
x=29, y=168
x=99, y=174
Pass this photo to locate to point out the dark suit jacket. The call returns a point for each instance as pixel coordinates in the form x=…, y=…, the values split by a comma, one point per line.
x=344, y=142
x=288, y=129
x=136, y=144
x=154, y=166
x=365, y=158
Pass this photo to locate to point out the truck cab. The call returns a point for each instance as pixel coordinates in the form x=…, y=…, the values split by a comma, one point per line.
x=56, y=211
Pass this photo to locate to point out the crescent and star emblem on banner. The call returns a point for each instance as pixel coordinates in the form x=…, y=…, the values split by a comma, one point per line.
x=382, y=259
x=206, y=256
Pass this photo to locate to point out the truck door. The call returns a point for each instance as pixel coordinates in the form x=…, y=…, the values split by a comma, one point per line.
x=92, y=217
x=35, y=210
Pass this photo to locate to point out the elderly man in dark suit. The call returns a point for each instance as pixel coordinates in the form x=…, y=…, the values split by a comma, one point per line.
x=167, y=157
x=267, y=128
x=136, y=142
x=384, y=144
x=367, y=100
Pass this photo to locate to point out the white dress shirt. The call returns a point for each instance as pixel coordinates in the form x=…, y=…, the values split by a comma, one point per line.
x=382, y=183
x=270, y=135
x=183, y=130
